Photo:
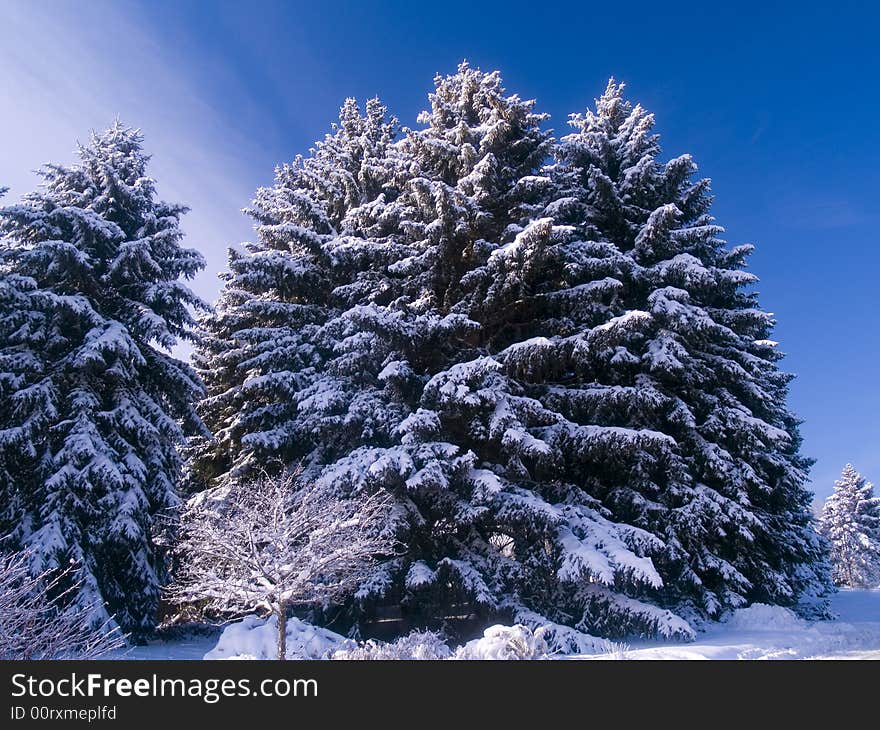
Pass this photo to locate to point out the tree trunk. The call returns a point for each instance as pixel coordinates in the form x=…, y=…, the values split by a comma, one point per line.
x=281, y=613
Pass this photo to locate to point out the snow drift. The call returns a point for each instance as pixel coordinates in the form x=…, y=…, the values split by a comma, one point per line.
x=256, y=638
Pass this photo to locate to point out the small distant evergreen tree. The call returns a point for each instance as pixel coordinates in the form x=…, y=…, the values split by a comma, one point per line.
x=850, y=521
x=92, y=408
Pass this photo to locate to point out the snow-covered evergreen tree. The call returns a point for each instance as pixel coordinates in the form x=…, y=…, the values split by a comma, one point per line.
x=850, y=521
x=555, y=369
x=264, y=344
x=390, y=384
x=657, y=329
x=495, y=524
x=92, y=408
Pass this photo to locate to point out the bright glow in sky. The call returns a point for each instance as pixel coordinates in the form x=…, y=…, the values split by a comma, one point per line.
x=777, y=105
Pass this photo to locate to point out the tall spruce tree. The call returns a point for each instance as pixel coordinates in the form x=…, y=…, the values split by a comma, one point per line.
x=92, y=408
x=393, y=386
x=554, y=368
x=494, y=525
x=265, y=348
x=850, y=521
x=683, y=351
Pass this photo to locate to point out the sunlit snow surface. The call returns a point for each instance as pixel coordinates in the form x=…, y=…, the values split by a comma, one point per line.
x=770, y=632
x=758, y=632
x=194, y=647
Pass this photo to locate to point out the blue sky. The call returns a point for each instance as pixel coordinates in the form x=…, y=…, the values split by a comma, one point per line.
x=778, y=103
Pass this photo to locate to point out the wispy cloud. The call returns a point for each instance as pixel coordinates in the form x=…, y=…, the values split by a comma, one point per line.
x=66, y=69
x=828, y=214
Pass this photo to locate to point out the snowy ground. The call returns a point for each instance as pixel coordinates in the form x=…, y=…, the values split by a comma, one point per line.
x=191, y=647
x=767, y=632
x=758, y=632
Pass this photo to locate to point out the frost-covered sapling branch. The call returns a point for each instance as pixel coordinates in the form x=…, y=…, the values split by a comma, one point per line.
x=35, y=623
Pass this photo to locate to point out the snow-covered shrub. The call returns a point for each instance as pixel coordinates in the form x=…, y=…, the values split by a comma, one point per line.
x=615, y=650
x=268, y=544
x=35, y=623
x=257, y=638
x=559, y=638
x=418, y=645
x=516, y=642
x=763, y=617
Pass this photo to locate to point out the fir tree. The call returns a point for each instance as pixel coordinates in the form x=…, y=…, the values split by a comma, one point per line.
x=494, y=524
x=850, y=521
x=93, y=408
x=264, y=344
x=681, y=350
x=557, y=370
x=393, y=388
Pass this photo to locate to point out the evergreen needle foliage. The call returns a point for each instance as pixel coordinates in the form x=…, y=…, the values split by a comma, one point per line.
x=850, y=521
x=540, y=348
x=93, y=409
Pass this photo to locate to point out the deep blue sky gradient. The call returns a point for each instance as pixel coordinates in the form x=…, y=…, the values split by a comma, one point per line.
x=778, y=103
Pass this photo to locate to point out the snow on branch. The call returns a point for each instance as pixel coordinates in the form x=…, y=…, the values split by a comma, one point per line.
x=36, y=624
x=275, y=542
